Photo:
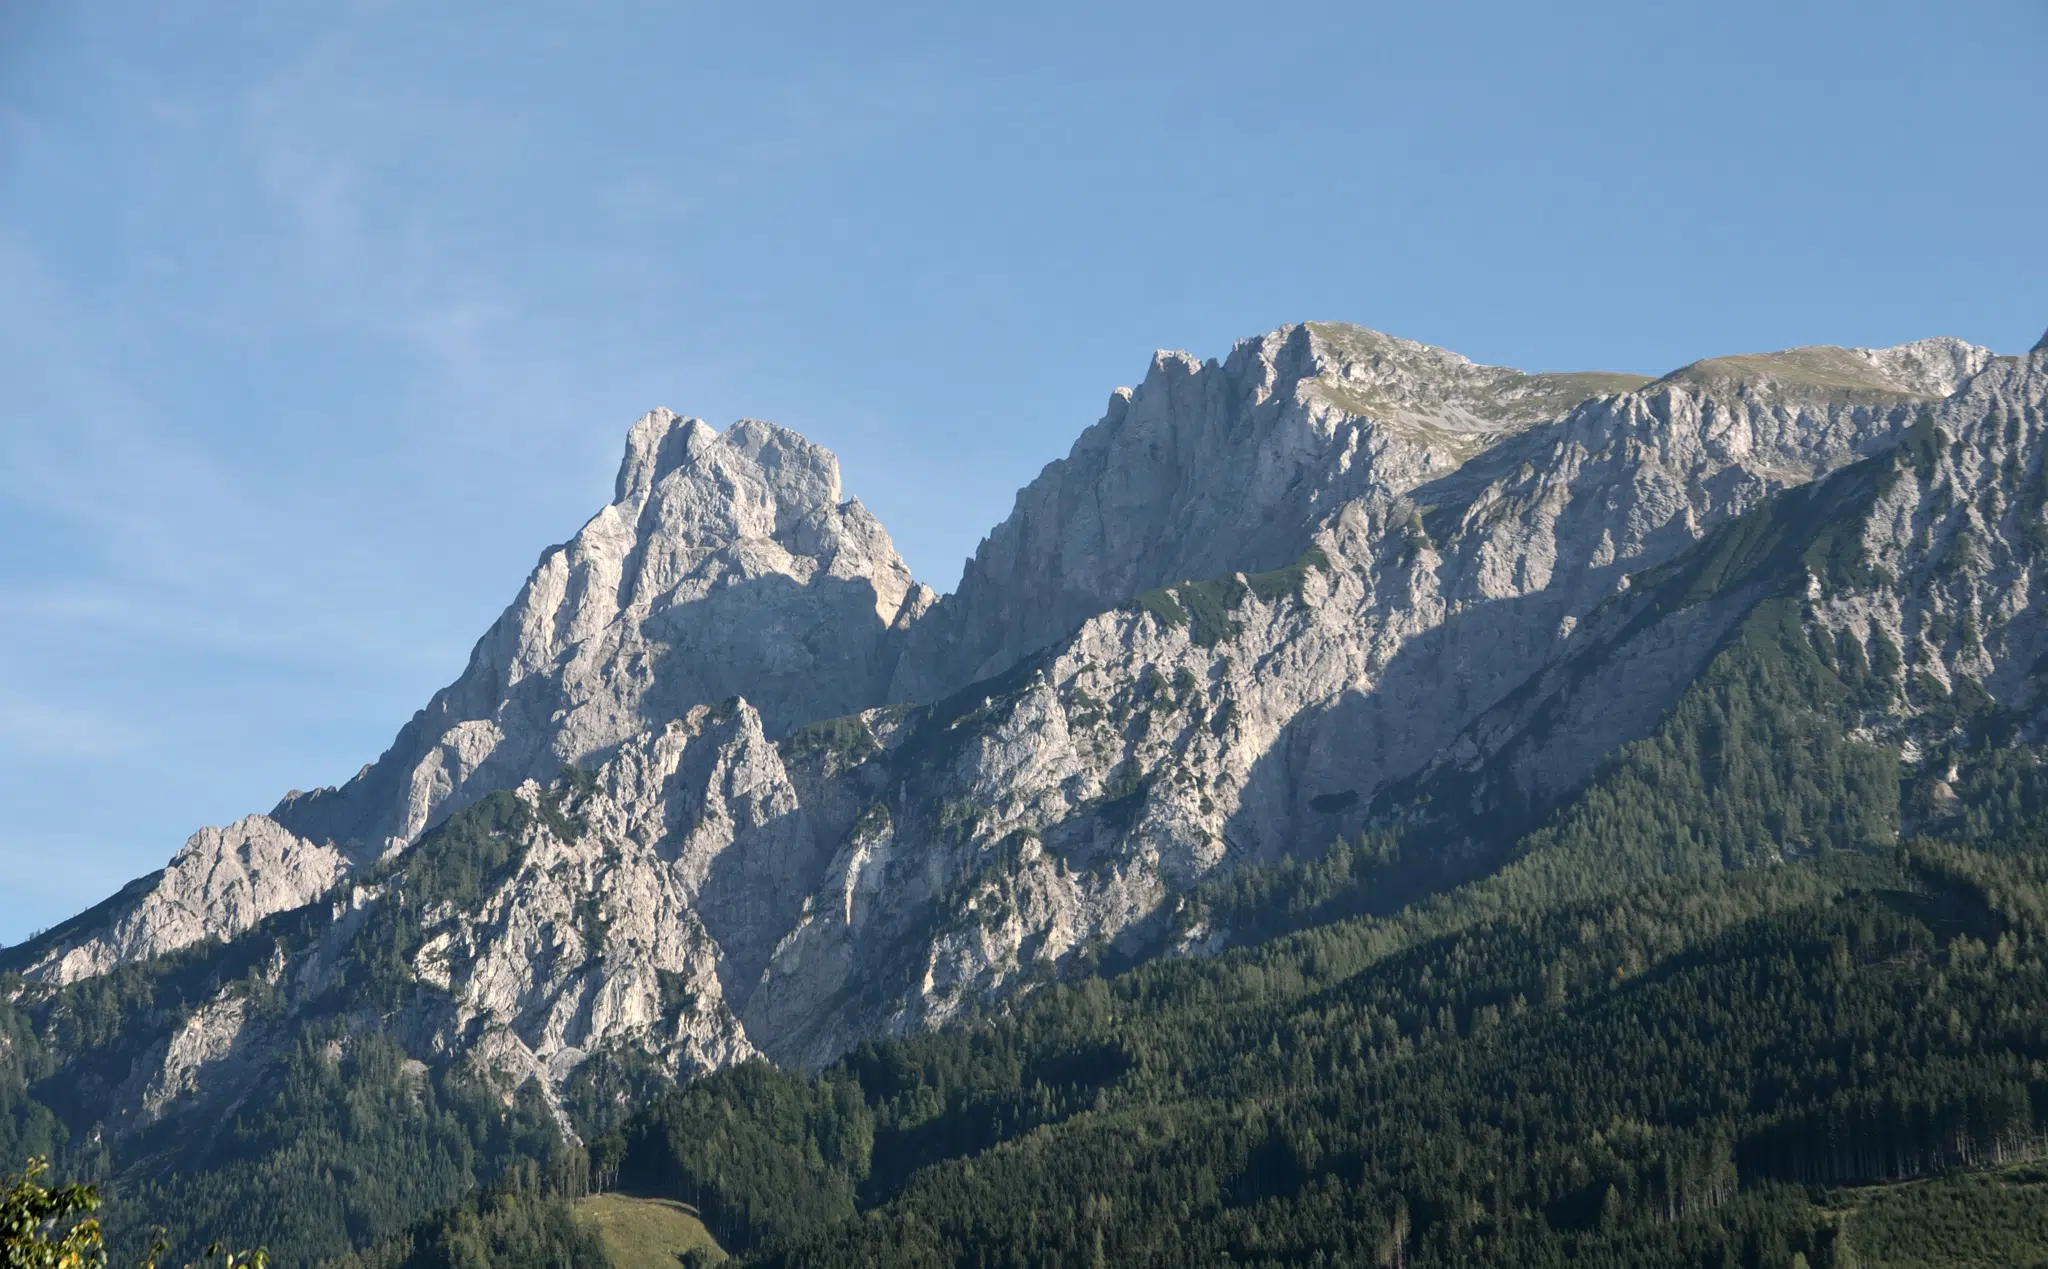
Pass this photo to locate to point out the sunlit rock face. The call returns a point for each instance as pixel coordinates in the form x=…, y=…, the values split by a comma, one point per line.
x=727, y=564
x=813, y=803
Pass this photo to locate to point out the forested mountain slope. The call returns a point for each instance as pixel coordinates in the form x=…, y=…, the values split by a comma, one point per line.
x=1716, y=1009
x=1656, y=1076
x=1602, y=688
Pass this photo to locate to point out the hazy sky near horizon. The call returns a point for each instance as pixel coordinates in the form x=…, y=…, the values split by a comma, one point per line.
x=318, y=321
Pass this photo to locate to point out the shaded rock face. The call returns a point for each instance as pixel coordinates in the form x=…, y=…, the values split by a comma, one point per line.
x=1258, y=597
x=1936, y=550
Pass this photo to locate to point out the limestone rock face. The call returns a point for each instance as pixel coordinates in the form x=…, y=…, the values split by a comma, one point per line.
x=1961, y=536
x=1209, y=468
x=812, y=802
x=1934, y=588
x=726, y=565
x=641, y=911
x=223, y=882
x=202, y=1051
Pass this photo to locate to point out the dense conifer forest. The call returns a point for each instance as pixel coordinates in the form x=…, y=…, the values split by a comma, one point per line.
x=1734, y=1067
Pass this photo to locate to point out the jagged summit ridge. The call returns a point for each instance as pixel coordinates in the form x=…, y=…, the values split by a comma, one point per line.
x=755, y=481
x=1392, y=538
x=1212, y=467
x=727, y=565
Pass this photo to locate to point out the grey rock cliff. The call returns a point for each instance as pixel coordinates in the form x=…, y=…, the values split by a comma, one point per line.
x=222, y=883
x=1934, y=552
x=1208, y=468
x=1211, y=468
x=814, y=805
x=726, y=565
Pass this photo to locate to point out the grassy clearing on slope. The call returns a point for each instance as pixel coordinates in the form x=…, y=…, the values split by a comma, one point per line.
x=1556, y=394
x=1834, y=375
x=646, y=1233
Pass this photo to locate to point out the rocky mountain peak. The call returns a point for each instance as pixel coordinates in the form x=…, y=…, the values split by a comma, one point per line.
x=755, y=493
x=727, y=566
x=1208, y=468
x=802, y=475
x=658, y=443
x=1255, y=595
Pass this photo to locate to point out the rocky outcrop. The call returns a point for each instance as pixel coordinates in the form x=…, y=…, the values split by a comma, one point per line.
x=223, y=882
x=1211, y=468
x=810, y=804
x=1955, y=551
x=644, y=905
x=726, y=565
x=199, y=1055
x=1917, y=568
x=1207, y=468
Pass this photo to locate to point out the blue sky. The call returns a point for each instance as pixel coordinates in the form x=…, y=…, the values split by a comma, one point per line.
x=318, y=321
